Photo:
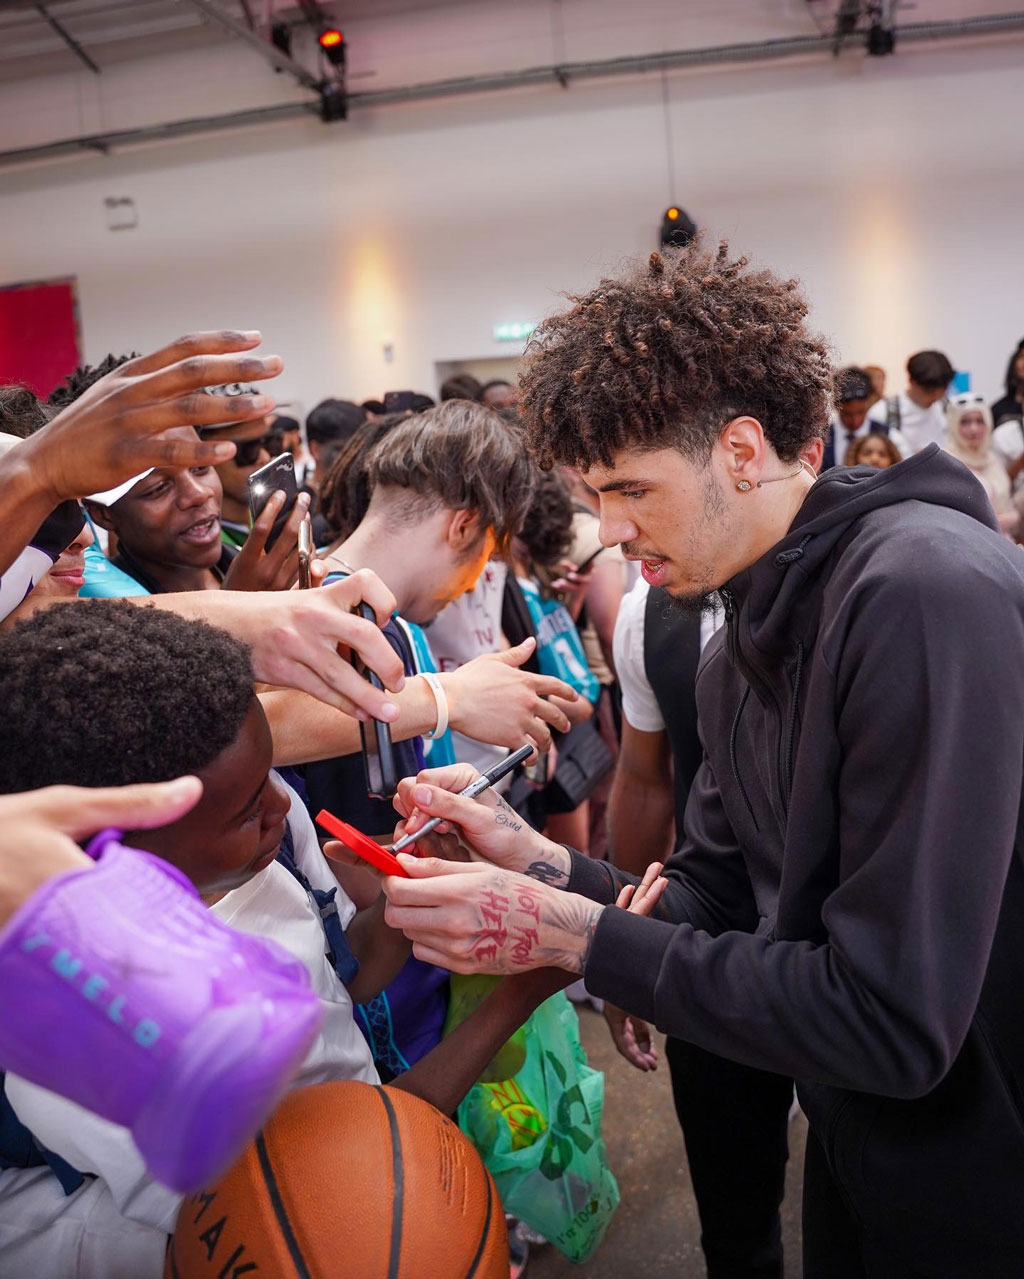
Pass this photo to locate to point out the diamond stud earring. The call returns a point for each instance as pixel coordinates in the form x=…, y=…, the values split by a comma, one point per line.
x=743, y=486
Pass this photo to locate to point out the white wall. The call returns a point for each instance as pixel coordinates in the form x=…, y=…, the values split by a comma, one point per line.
x=892, y=187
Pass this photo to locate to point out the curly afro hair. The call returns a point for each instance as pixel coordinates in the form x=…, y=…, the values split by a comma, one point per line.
x=667, y=355
x=77, y=383
x=106, y=693
x=547, y=530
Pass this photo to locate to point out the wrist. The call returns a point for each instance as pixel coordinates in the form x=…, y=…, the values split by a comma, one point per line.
x=569, y=923
x=548, y=862
x=452, y=686
x=26, y=486
x=441, y=708
x=32, y=479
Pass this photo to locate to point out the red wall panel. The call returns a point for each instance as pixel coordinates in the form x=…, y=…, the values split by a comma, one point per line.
x=40, y=342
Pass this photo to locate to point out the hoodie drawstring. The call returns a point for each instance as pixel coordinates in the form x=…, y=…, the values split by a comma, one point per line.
x=732, y=755
x=785, y=558
x=791, y=727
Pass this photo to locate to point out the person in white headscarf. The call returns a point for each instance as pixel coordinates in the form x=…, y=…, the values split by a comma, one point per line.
x=969, y=438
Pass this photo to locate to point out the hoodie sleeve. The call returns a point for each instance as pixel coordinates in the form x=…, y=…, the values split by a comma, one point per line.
x=708, y=885
x=927, y=694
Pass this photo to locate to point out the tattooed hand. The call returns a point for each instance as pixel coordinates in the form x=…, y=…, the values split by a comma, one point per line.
x=478, y=918
x=486, y=827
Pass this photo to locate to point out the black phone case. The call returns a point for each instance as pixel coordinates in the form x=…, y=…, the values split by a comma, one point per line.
x=379, y=764
x=279, y=473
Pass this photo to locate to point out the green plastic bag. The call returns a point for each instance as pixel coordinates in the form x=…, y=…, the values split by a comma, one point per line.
x=539, y=1133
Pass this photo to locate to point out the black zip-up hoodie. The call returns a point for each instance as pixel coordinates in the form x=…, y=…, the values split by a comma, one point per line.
x=848, y=903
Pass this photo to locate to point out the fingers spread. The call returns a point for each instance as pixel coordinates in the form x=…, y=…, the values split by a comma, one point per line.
x=552, y=715
x=213, y=342
x=136, y=455
x=205, y=369
x=548, y=686
x=202, y=410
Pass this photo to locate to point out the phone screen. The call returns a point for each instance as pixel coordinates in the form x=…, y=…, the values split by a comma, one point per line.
x=278, y=474
x=378, y=756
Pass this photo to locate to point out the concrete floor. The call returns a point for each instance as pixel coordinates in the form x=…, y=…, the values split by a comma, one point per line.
x=655, y=1233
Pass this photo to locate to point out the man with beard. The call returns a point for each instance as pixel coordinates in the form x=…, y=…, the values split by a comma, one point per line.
x=847, y=903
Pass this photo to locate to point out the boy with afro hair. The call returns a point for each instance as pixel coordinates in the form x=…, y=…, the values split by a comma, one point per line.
x=107, y=693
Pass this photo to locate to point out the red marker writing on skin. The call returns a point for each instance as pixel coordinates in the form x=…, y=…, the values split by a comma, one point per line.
x=362, y=845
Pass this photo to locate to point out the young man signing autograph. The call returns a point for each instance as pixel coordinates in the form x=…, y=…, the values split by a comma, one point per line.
x=847, y=904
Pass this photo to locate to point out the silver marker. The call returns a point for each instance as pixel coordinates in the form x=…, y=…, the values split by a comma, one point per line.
x=482, y=783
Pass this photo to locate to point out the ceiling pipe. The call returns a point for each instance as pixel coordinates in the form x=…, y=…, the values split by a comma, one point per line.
x=276, y=57
x=719, y=55
x=68, y=39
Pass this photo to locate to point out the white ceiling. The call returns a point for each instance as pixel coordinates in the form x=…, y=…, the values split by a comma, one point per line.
x=113, y=31
x=119, y=30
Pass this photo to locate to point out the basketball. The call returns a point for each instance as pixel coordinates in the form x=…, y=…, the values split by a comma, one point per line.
x=347, y=1181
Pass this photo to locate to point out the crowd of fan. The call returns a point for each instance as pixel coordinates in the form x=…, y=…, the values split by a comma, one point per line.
x=507, y=618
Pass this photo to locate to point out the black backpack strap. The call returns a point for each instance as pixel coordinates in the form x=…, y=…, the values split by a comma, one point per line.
x=516, y=621
x=343, y=961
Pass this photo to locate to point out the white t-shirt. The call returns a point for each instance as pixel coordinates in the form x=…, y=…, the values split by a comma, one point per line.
x=918, y=427
x=639, y=705
x=272, y=904
x=467, y=628
x=1008, y=440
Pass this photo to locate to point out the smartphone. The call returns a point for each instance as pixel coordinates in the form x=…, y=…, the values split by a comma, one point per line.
x=305, y=554
x=378, y=755
x=278, y=474
x=398, y=401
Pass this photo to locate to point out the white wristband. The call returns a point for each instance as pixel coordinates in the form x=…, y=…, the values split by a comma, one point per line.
x=440, y=701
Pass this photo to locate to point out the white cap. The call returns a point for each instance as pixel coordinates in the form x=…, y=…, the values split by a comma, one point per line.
x=109, y=496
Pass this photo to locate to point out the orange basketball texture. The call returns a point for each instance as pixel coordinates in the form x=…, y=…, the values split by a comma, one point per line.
x=347, y=1181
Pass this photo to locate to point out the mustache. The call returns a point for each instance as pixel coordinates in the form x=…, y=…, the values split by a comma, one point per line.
x=630, y=548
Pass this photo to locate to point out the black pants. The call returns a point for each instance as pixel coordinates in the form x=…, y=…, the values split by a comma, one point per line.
x=735, y=1122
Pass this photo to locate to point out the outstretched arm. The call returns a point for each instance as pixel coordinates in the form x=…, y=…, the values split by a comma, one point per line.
x=295, y=637
x=449, y=1071
x=489, y=698
x=117, y=428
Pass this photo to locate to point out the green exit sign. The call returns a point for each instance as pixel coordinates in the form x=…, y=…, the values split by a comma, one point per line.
x=513, y=332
